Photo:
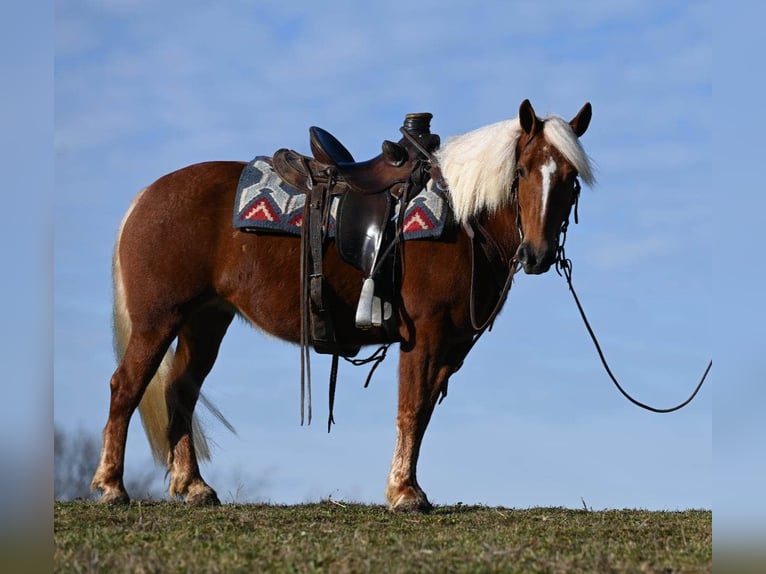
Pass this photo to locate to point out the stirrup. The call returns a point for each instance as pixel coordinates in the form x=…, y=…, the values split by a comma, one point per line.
x=371, y=310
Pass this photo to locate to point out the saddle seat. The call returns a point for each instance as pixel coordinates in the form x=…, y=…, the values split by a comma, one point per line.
x=364, y=207
x=386, y=171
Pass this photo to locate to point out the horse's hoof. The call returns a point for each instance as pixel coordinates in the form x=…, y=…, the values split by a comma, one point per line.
x=203, y=497
x=413, y=503
x=114, y=498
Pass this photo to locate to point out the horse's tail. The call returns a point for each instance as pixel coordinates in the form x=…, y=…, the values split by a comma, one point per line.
x=153, y=406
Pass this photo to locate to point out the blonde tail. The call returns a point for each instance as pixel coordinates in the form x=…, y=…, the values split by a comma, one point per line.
x=153, y=406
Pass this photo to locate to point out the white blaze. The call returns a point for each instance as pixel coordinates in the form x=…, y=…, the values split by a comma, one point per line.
x=547, y=169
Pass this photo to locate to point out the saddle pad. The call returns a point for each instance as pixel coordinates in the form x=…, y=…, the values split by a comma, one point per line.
x=265, y=202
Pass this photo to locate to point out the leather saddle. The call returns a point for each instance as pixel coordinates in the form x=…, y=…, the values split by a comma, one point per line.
x=367, y=192
x=366, y=189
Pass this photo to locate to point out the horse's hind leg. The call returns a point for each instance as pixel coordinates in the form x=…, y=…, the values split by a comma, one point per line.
x=198, y=343
x=141, y=360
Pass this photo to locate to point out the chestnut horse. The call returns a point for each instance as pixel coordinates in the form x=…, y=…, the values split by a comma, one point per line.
x=181, y=272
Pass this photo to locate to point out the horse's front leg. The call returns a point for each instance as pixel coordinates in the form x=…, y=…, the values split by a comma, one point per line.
x=422, y=373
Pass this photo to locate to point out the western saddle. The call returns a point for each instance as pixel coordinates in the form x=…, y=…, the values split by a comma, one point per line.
x=366, y=235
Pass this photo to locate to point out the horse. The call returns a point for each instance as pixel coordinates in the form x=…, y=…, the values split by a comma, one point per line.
x=182, y=273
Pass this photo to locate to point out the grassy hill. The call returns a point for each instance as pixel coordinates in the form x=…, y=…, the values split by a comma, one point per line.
x=330, y=536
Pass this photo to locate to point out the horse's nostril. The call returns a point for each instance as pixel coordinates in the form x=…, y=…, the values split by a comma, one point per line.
x=525, y=255
x=521, y=253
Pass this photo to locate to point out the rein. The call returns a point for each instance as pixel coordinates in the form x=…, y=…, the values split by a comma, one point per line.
x=491, y=250
x=564, y=267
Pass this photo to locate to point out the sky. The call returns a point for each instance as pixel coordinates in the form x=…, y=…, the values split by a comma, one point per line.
x=739, y=314
x=144, y=88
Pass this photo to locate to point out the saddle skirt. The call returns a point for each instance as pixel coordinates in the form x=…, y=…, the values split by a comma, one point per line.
x=265, y=202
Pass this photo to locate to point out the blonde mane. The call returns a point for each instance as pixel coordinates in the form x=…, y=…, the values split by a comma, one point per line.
x=479, y=166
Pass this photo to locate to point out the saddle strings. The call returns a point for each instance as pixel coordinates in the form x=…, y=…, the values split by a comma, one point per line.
x=304, y=286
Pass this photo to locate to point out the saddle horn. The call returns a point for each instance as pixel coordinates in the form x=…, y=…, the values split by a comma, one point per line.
x=418, y=123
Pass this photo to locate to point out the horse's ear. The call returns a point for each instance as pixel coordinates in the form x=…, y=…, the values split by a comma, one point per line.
x=395, y=154
x=581, y=121
x=527, y=117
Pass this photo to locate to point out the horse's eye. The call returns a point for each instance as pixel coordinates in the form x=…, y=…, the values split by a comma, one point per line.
x=572, y=177
x=521, y=172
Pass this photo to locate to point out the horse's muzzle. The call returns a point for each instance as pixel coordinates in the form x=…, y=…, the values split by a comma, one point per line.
x=535, y=261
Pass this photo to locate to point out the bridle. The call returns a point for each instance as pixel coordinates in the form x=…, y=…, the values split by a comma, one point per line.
x=574, y=205
x=511, y=265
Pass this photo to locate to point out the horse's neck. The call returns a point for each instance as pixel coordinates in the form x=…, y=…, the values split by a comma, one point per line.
x=502, y=226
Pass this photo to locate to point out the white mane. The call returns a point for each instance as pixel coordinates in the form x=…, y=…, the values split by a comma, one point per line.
x=480, y=166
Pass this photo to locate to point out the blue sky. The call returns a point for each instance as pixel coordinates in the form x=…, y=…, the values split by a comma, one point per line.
x=739, y=318
x=144, y=88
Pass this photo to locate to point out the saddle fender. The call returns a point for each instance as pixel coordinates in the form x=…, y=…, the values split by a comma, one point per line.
x=361, y=222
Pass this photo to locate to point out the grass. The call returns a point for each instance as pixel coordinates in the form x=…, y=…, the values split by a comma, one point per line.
x=154, y=536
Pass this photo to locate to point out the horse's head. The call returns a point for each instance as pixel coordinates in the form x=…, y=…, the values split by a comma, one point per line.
x=548, y=155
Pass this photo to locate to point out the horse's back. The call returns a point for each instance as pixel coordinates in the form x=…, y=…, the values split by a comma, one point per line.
x=198, y=182
x=188, y=200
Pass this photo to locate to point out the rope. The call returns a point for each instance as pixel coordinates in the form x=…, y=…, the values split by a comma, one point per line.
x=564, y=266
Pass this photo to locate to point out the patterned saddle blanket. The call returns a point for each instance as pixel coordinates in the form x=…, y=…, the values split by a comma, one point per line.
x=265, y=202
